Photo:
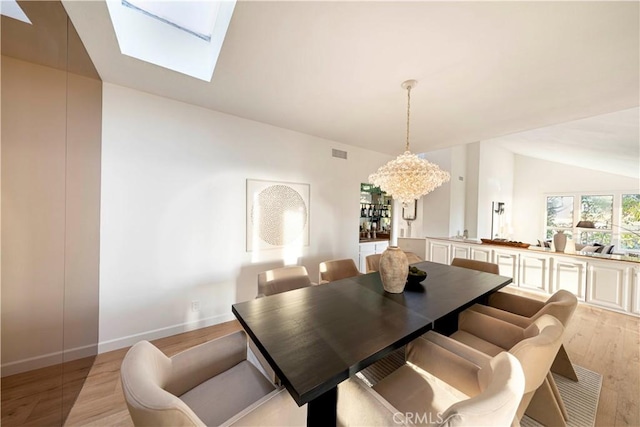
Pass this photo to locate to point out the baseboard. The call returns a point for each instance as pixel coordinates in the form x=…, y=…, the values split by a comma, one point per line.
x=48, y=359
x=128, y=341
x=57, y=357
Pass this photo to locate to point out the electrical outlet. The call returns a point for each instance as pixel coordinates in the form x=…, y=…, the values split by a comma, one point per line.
x=195, y=306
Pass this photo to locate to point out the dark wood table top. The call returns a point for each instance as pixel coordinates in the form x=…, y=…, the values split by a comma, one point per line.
x=316, y=337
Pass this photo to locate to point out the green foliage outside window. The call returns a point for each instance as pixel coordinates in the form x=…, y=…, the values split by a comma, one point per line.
x=630, y=226
x=598, y=209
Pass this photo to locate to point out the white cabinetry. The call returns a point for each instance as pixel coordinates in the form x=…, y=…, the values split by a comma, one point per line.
x=569, y=274
x=480, y=253
x=635, y=291
x=534, y=271
x=417, y=246
x=507, y=262
x=370, y=248
x=608, y=284
x=460, y=251
x=439, y=251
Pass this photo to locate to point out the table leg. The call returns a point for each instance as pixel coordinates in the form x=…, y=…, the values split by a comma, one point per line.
x=323, y=410
x=447, y=324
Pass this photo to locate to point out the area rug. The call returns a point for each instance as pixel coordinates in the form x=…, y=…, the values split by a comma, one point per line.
x=580, y=398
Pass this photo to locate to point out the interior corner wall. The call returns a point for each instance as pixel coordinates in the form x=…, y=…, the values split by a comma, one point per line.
x=495, y=184
x=436, y=206
x=173, y=211
x=457, y=208
x=471, y=188
x=534, y=178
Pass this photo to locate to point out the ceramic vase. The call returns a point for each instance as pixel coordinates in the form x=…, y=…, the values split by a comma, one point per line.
x=394, y=269
x=559, y=241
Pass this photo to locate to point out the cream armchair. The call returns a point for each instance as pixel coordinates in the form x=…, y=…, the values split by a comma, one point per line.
x=534, y=346
x=208, y=385
x=337, y=269
x=487, y=267
x=373, y=261
x=450, y=384
x=282, y=280
x=272, y=282
x=523, y=311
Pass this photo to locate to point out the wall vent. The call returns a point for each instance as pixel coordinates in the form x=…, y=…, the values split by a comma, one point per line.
x=339, y=154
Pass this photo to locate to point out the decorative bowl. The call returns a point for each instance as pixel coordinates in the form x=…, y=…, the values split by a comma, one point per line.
x=416, y=276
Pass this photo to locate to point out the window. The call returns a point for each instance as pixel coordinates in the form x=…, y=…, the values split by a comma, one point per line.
x=598, y=210
x=630, y=222
x=559, y=215
x=611, y=219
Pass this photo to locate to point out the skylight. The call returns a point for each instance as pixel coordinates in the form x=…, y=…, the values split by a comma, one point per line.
x=13, y=10
x=184, y=36
x=195, y=17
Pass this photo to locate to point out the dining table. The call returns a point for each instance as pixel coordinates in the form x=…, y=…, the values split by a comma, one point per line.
x=316, y=337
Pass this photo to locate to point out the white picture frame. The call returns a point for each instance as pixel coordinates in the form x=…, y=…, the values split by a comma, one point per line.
x=278, y=214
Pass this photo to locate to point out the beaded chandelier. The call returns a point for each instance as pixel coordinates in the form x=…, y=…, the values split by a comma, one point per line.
x=408, y=177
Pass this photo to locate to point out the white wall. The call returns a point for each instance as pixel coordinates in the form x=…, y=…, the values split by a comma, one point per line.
x=441, y=213
x=495, y=184
x=433, y=208
x=534, y=178
x=458, y=190
x=471, y=188
x=173, y=210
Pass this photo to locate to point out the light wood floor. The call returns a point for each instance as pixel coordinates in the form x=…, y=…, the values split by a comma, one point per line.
x=599, y=340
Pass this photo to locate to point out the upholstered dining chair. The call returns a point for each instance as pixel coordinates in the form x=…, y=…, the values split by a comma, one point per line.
x=337, y=269
x=282, y=280
x=487, y=267
x=451, y=385
x=412, y=258
x=272, y=282
x=534, y=346
x=207, y=385
x=522, y=311
x=373, y=261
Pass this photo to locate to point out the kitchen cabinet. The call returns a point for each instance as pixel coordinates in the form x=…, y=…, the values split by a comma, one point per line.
x=370, y=248
x=606, y=281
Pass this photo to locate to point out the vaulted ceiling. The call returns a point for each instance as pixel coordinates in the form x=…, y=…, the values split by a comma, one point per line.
x=333, y=69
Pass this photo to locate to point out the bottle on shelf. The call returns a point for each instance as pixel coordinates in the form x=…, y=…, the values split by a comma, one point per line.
x=370, y=212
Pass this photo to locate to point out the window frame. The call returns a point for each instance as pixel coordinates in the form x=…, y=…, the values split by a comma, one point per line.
x=616, y=216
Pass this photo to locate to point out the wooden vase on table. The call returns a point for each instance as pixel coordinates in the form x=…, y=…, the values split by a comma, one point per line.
x=394, y=269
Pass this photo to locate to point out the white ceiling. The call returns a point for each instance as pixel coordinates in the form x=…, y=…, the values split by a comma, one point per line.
x=608, y=143
x=485, y=69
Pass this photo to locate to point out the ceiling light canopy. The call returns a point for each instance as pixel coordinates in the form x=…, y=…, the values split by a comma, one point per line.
x=409, y=177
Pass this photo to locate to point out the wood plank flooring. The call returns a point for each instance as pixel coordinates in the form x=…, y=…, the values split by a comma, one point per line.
x=597, y=339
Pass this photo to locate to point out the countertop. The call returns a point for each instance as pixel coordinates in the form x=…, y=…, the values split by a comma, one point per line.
x=593, y=255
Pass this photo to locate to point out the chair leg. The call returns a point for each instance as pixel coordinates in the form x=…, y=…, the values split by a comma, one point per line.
x=544, y=406
x=562, y=365
x=556, y=393
x=256, y=357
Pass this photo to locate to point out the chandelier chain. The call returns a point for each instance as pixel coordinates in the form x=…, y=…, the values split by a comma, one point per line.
x=406, y=148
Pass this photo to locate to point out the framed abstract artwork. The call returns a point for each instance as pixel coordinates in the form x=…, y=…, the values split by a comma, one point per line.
x=277, y=214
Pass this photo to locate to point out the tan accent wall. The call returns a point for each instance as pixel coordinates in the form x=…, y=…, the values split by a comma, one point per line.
x=51, y=127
